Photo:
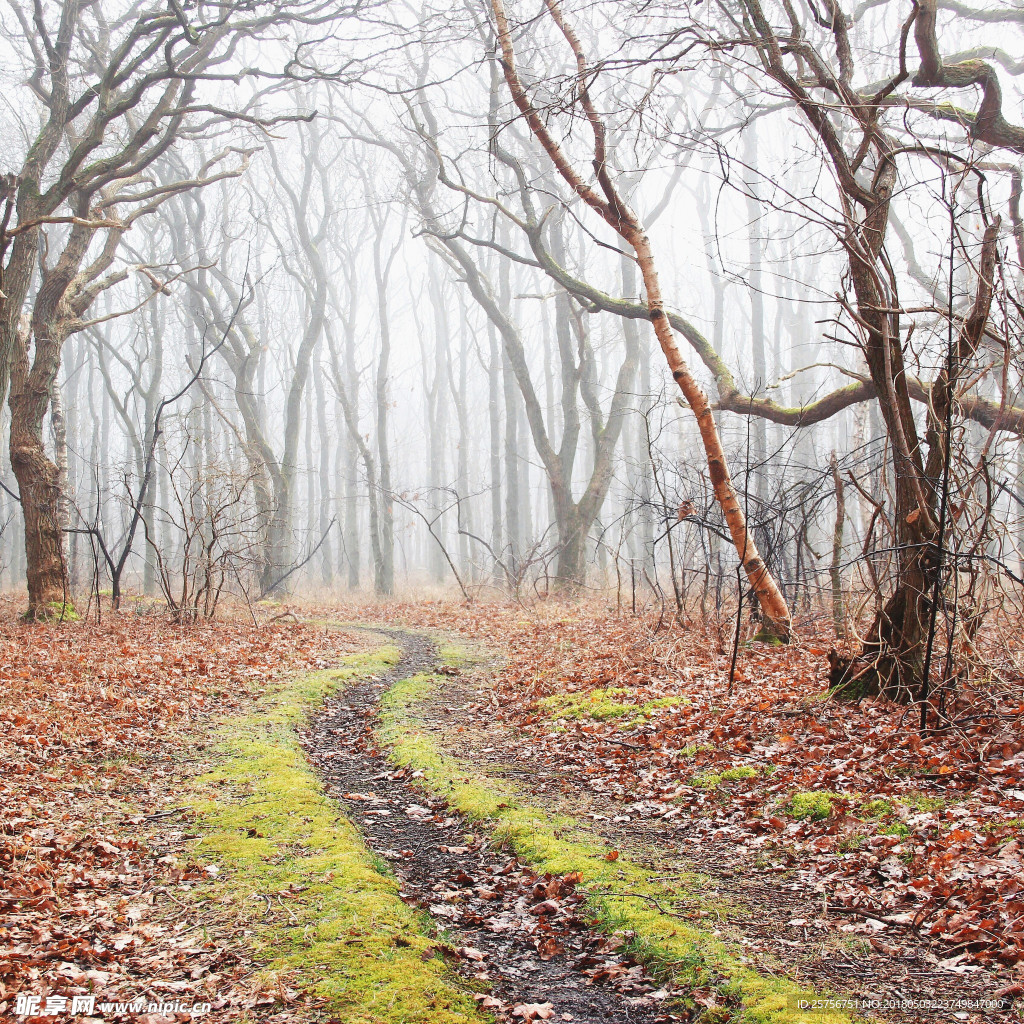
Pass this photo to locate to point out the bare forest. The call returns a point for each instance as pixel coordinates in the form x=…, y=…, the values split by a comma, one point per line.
x=511, y=511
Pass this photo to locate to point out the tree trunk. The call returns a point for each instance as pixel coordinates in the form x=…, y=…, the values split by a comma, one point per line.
x=437, y=420
x=570, y=568
x=773, y=604
x=494, y=369
x=835, y=569
x=512, y=504
x=38, y=481
x=350, y=380
x=384, y=582
x=326, y=559
x=617, y=214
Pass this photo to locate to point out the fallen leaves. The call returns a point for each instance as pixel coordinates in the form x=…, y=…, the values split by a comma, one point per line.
x=921, y=825
x=533, y=1011
x=96, y=719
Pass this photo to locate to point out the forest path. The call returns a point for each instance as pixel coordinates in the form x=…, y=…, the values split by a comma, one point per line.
x=782, y=922
x=525, y=940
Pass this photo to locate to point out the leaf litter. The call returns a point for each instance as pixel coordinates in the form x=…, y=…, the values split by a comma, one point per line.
x=905, y=870
x=869, y=856
x=99, y=724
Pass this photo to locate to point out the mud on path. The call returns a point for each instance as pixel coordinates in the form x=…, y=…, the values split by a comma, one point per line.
x=524, y=942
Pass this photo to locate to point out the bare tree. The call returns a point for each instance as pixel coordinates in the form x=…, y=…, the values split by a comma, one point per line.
x=607, y=201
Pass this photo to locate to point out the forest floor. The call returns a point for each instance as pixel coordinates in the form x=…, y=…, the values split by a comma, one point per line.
x=785, y=835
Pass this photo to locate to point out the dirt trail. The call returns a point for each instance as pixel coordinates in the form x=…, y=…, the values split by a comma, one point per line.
x=521, y=938
x=787, y=921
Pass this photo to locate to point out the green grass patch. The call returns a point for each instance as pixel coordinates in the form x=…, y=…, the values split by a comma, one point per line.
x=852, y=843
x=895, y=828
x=319, y=908
x=994, y=826
x=920, y=802
x=692, y=749
x=625, y=896
x=706, y=780
x=712, y=780
x=876, y=809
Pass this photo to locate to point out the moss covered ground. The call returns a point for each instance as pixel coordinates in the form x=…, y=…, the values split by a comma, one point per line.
x=626, y=896
x=321, y=912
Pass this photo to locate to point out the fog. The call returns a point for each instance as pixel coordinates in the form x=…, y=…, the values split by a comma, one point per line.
x=300, y=299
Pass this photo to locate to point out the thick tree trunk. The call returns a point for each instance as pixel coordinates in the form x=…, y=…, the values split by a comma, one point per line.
x=60, y=451
x=892, y=661
x=39, y=486
x=572, y=548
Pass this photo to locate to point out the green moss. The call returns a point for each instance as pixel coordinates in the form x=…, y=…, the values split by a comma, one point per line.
x=994, y=826
x=625, y=896
x=876, y=809
x=456, y=655
x=599, y=704
x=766, y=635
x=854, y=689
x=810, y=805
x=920, y=802
x=895, y=828
x=744, y=771
x=320, y=908
x=603, y=703
x=54, y=611
x=692, y=749
x=706, y=780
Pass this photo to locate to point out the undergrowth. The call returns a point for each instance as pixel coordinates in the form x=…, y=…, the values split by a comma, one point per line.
x=604, y=703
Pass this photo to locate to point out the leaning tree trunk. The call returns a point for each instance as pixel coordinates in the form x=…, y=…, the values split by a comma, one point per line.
x=611, y=206
x=773, y=604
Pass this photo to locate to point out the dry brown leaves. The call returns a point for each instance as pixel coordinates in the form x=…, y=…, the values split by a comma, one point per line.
x=98, y=724
x=945, y=860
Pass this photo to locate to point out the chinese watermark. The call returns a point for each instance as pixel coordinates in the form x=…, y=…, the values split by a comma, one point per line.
x=28, y=1006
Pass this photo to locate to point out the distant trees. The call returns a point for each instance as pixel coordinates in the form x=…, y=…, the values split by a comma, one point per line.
x=115, y=93
x=817, y=211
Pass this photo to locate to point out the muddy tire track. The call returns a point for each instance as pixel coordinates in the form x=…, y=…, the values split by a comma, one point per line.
x=521, y=938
